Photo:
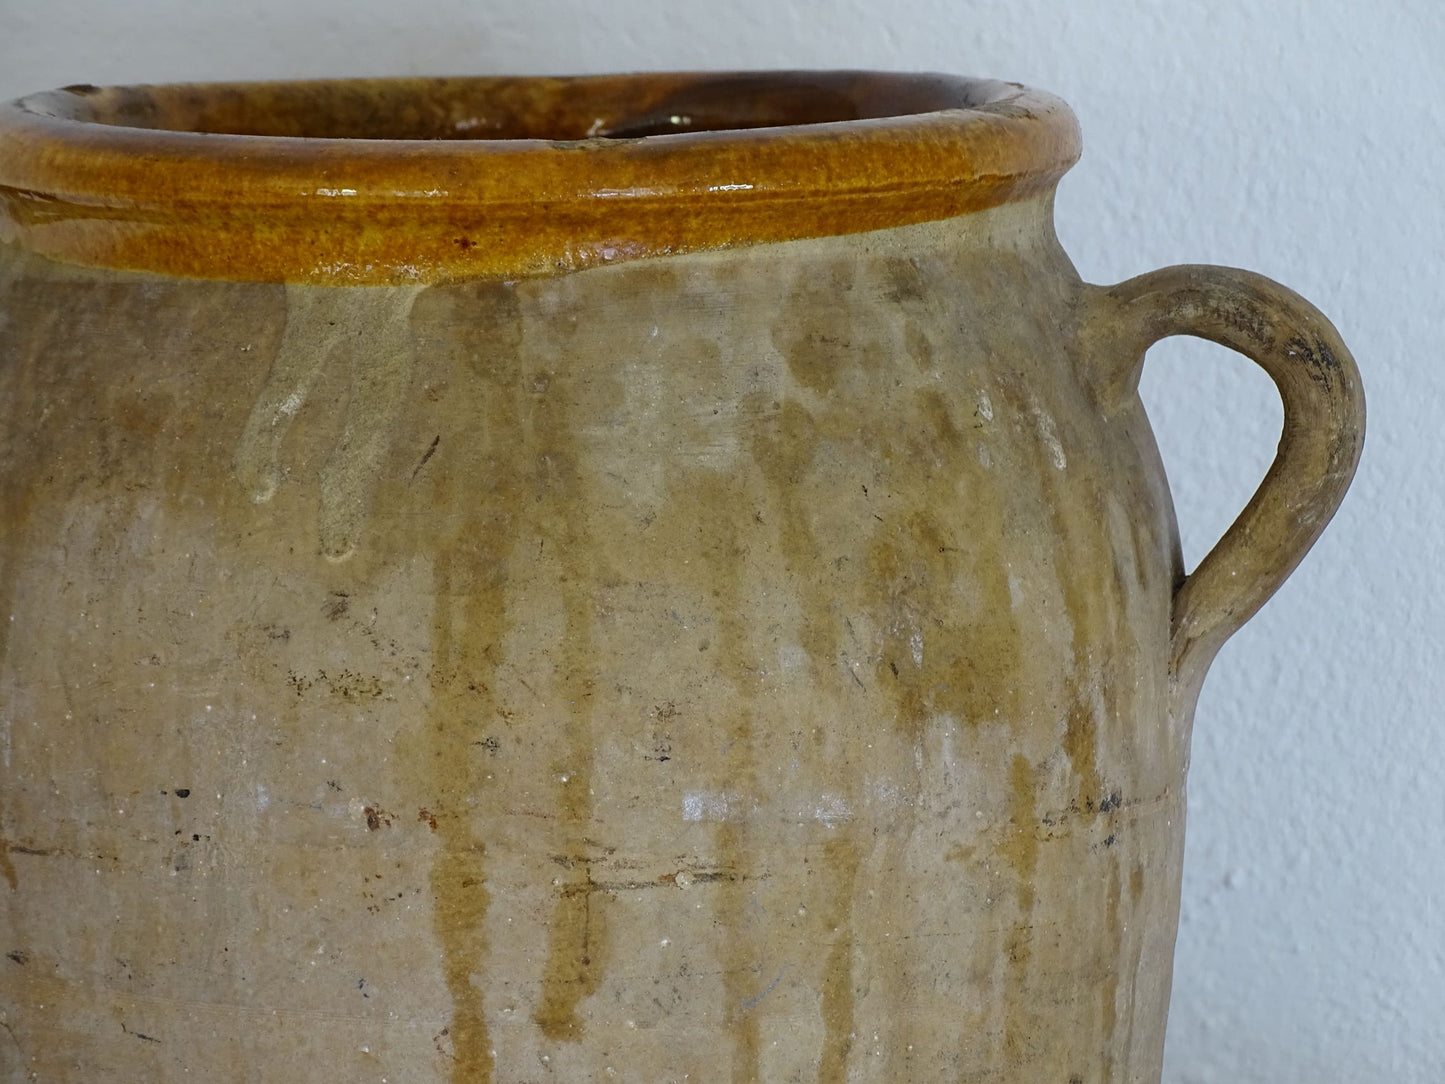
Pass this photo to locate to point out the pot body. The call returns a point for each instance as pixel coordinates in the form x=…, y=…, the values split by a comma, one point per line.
x=747, y=665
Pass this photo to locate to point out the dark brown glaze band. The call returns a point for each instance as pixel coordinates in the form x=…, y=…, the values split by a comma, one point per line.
x=386, y=181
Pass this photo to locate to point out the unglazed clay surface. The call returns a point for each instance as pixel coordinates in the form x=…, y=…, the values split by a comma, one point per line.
x=743, y=666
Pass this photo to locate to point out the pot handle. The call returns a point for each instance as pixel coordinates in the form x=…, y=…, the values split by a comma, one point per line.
x=1324, y=427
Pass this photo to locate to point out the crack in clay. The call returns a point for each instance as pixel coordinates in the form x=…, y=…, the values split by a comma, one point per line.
x=371, y=328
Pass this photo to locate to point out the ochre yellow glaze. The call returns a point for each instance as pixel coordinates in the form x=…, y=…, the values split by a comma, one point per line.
x=371, y=182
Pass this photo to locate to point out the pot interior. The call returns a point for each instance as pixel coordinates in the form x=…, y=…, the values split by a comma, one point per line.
x=542, y=108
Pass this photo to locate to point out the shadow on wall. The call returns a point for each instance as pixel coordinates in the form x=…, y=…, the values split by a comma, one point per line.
x=1214, y=1055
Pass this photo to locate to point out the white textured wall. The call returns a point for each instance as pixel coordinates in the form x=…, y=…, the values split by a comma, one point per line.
x=1301, y=138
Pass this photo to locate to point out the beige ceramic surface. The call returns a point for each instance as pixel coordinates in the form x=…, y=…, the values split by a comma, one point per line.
x=766, y=664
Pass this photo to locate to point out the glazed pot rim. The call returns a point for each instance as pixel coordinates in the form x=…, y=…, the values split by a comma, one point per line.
x=386, y=181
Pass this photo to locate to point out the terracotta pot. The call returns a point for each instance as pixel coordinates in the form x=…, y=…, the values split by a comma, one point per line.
x=656, y=577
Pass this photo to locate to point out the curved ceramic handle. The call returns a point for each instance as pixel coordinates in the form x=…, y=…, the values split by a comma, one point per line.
x=1324, y=426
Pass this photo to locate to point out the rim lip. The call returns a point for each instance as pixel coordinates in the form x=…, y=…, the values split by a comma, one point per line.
x=116, y=196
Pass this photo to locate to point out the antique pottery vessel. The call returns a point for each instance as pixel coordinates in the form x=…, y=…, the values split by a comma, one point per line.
x=664, y=578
